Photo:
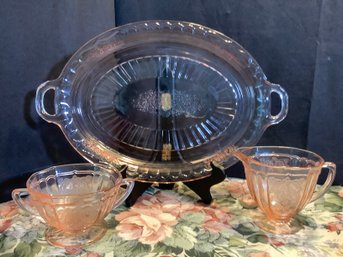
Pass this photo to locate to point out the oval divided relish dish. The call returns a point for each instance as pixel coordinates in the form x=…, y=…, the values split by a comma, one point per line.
x=163, y=98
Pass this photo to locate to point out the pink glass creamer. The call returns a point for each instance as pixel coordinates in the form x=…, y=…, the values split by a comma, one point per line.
x=282, y=180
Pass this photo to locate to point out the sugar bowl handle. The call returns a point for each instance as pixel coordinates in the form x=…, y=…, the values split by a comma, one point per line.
x=39, y=102
x=129, y=186
x=331, y=167
x=17, y=196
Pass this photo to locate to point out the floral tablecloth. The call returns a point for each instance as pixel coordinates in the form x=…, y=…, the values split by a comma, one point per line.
x=172, y=223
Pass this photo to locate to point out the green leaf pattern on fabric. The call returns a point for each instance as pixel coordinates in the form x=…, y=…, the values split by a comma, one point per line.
x=27, y=250
x=183, y=237
x=176, y=225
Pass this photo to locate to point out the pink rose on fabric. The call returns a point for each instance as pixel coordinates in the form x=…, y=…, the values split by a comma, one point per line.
x=8, y=209
x=248, y=202
x=73, y=250
x=237, y=189
x=152, y=218
x=5, y=224
x=334, y=226
x=7, y=212
x=340, y=193
x=276, y=242
x=93, y=255
x=167, y=201
x=147, y=225
x=259, y=254
x=216, y=220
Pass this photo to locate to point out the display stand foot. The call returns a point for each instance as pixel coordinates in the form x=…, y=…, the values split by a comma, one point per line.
x=200, y=186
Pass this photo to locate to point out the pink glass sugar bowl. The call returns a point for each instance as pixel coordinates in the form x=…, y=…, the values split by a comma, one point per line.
x=73, y=201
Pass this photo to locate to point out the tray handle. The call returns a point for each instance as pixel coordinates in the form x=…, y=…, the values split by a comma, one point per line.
x=39, y=102
x=275, y=88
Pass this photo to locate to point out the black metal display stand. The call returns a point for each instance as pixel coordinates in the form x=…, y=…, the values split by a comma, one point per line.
x=200, y=186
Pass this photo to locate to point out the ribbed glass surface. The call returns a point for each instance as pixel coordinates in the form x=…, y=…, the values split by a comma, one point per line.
x=163, y=103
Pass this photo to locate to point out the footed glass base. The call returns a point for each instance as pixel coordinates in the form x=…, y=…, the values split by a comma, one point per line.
x=60, y=239
x=276, y=227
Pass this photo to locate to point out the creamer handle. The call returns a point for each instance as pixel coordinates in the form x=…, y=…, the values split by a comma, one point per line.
x=329, y=180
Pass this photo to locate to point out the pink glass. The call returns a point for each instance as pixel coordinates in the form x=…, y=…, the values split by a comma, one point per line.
x=73, y=201
x=282, y=180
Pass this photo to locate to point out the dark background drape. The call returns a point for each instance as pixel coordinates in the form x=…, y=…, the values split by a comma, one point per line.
x=37, y=37
x=299, y=45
